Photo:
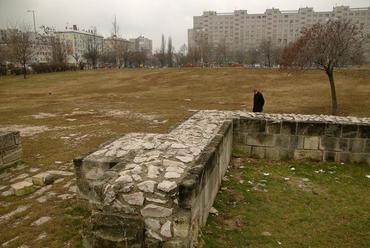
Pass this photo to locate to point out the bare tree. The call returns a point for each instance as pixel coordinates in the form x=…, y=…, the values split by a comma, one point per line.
x=252, y=56
x=240, y=56
x=93, y=49
x=21, y=46
x=180, y=56
x=329, y=45
x=170, y=52
x=266, y=49
x=221, y=52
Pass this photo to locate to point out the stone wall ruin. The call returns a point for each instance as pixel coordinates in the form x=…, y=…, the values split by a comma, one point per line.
x=10, y=149
x=156, y=190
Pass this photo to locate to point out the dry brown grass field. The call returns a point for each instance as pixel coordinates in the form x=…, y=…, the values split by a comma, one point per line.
x=63, y=115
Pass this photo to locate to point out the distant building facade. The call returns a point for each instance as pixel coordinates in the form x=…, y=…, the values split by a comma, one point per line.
x=143, y=44
x=242, y=31
x=77, y=42
x=111, y=42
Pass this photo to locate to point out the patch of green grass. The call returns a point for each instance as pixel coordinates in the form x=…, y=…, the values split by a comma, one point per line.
x=292, y=204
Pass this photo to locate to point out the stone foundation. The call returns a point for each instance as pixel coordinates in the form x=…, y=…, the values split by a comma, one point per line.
x=156, y=190
x=10, y=149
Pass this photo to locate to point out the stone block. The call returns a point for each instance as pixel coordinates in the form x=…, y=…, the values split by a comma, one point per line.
x=343, y=144
x=286, y=154
x=356, y=145
x=364, y=132
x=359, y=157
x=242, y=150
x=258, y=152
x=22, y=188
x=260, y=139
x=289, y=127
x=311, y=129
x=282, y=140
x=239, y=138
x=273, y=127
x=6, y=140
x=333, y=130
x=176, y=244
x=349, y=131
x=343, y=157
x=252, y=126
x=315, y=155
x=12, y=156
x=329, y=143
x=329, y=156
x=367, y=146
x=273, y=153
x=311, y=142
x=43, y=178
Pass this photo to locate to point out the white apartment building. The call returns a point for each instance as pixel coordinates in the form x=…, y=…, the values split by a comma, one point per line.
x=242, y=31
x=143, y=44
x=77, y=42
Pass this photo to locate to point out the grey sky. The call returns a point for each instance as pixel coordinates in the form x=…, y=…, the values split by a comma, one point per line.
x=150, y=18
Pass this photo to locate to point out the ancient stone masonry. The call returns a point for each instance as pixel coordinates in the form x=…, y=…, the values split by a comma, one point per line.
x=156, y=190
x=10, y=148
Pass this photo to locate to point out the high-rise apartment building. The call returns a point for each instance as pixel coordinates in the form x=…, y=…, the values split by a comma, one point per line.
x=143, y=44
x=242, y=31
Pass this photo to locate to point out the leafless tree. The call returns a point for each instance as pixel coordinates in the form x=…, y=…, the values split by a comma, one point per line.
x=93, y=49
x=180, y=56
x=252, y=56
x=220, y=52
x=329, y=45
x=240, y=56
x=21, y=46
x=170, y=52
x=266, y=49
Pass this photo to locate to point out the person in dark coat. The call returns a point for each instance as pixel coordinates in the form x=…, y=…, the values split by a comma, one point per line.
x=258, y=101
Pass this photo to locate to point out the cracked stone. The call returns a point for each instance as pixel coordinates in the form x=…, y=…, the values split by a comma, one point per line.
x=41, y=221
x=124, y=179
x=43, y=178
x=135, y=198
x=152, y=224
x=171, y=175
x=170, y=163
x=166, y=230
x=22, y=188
x=147, y=186
x=152, y=210
x=153, y=171
x=167, y=186
x=185, y=159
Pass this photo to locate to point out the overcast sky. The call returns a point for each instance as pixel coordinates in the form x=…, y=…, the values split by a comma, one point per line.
x=151, y=18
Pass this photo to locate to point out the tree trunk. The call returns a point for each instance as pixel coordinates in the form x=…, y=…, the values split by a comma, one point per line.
x=334, y=108
x=24, y=71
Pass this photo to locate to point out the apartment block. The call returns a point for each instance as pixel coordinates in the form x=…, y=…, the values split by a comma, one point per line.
x=241, y=30
x=77, y=42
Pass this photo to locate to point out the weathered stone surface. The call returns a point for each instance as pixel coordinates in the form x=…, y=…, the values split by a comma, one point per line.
x=22, y=188
x=135, y=198
x=167, y=186
x=43, y=178
x=172, y=175
x=166, y=229
x=41, y=221
x=152, y=224
x=147, y=186
x=180, y=172
x=153, y=210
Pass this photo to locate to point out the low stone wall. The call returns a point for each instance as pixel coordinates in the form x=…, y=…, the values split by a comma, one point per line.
x=10, y=149
x=277, y=137
x=156, y=190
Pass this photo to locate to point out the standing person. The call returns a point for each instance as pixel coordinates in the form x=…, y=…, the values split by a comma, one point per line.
x=258, y=101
